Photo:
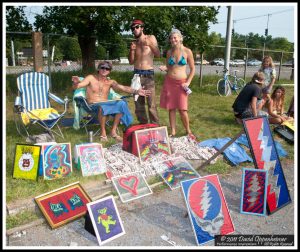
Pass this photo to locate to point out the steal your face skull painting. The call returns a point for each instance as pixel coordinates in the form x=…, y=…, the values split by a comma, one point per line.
x=206, y=206
x=26, y=162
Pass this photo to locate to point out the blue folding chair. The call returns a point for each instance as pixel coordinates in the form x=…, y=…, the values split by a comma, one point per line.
x=85, y=116
x=32, y=105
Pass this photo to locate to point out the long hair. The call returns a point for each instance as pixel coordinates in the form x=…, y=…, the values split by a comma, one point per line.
x=273, y=96
x=271, y=64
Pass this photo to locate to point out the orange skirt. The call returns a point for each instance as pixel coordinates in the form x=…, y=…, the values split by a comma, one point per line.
x=173, y=95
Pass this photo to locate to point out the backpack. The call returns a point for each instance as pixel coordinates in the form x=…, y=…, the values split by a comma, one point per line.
x=129, y=143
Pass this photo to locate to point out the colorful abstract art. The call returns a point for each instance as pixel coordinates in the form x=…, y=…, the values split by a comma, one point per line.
x=175, y=170
x=207, y=208
x=26, y=162
x=63, y=204
x=57, y=160
x=91, y=158
x=254, y=191
x=151, y=142
x=265, y=157
x=131, y=186
x=105, y=219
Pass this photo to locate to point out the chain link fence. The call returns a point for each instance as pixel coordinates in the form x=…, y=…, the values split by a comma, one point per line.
x=20, y=58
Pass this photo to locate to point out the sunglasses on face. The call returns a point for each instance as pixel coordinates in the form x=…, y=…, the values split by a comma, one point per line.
x=105, y=68
x=135, y=27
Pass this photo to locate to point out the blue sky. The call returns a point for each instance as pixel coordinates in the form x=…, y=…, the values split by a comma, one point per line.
x=247, y=17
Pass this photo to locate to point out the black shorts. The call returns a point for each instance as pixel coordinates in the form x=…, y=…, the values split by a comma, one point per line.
x=244, y=114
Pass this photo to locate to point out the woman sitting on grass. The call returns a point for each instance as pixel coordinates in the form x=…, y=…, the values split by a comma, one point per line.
x=273, y=106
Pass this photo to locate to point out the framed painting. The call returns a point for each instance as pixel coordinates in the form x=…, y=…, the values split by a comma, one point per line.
x=151, y=142
x=106, y=220
x=26, y=162
x=91, y=159
x=57, y=160
x=207, y=208
x=175, y=170
x=131, y=186
x=265, y=156
x=254, y=191
x=63, y=204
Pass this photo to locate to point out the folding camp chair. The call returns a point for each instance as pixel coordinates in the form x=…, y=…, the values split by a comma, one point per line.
x=86, y=116
x=32, y=105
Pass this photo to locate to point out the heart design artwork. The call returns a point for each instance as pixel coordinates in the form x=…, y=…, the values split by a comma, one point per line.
x=129, y=183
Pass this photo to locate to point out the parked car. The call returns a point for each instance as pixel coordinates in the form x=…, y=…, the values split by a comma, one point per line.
x=198, y=62
x=289, y=63
x=254, y=62
x=218, y=62
x=237, y=62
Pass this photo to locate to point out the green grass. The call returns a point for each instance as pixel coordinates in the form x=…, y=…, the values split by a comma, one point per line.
x=210, y=117
x=20, y=219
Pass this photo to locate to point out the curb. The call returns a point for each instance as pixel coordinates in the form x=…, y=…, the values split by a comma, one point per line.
x=31, y=205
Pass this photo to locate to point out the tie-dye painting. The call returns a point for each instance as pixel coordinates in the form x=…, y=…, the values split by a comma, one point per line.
x=151, y=142
x=265, y=157
x=207, y=208
x=91, y=157
x=254, y=191
x=57, y=160
x=175, y=170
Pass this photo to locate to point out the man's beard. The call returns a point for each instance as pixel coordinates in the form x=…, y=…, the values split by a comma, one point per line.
x=138, y=35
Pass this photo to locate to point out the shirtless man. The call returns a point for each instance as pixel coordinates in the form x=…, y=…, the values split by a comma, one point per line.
x=97, y=90
x=142, y=52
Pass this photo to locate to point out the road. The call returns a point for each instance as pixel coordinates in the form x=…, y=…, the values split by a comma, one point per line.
x=164, y=212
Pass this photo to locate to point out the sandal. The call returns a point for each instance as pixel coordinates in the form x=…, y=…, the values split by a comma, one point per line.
x=117, y=138
x=103, y=139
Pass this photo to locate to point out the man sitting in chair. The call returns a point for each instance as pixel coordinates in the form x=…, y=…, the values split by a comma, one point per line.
x=97, y=90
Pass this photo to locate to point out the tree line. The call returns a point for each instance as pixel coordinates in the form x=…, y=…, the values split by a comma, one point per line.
x=87, y=33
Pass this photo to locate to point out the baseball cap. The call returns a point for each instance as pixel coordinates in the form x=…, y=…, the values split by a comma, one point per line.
x=137, y=21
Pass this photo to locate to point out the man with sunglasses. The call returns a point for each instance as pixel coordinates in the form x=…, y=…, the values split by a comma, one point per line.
x=97, y=93
x=142, y=52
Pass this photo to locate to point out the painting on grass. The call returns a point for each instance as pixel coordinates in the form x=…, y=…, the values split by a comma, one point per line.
x=254, y=191
x=105, y=219
x=265, y=157
x=57, y=160
x=63, y=204
x=26, y=162
x=151, y=142
x=175, y=170
x=91, y=158
x=207, y=208
x=131, y=186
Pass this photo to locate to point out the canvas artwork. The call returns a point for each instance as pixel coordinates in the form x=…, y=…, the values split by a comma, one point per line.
x=254, y=191
x=91, y=158
x=63, y=204
x=41, y=166
x=131, y=186
x=26, y=162
x=105, y=219
x=151, y=142
x=265, y=157
x=57, y=160
x=207, y=208
x=175, y=170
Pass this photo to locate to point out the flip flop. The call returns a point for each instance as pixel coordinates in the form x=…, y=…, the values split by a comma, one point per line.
x=192, y=137
x=117, y=138
x=103, y=139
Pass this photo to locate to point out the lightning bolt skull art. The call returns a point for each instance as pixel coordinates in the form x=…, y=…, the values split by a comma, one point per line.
x=207, y=208
x=265, y=157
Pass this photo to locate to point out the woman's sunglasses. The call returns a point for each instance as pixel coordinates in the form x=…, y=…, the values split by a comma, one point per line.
x=135, y=27
x=105, y=68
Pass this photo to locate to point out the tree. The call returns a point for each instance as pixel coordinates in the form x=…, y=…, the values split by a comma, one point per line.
x=106, y=23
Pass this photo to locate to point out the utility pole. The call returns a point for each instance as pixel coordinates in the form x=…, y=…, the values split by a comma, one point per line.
x=228, y=38
x=266, y=35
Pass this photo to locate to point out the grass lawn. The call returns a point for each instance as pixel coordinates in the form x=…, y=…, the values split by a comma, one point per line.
x=210, y=117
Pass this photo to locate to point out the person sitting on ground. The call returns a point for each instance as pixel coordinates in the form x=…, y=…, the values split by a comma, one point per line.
x=245, y=105
x=97, y=90
x=273, y=106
